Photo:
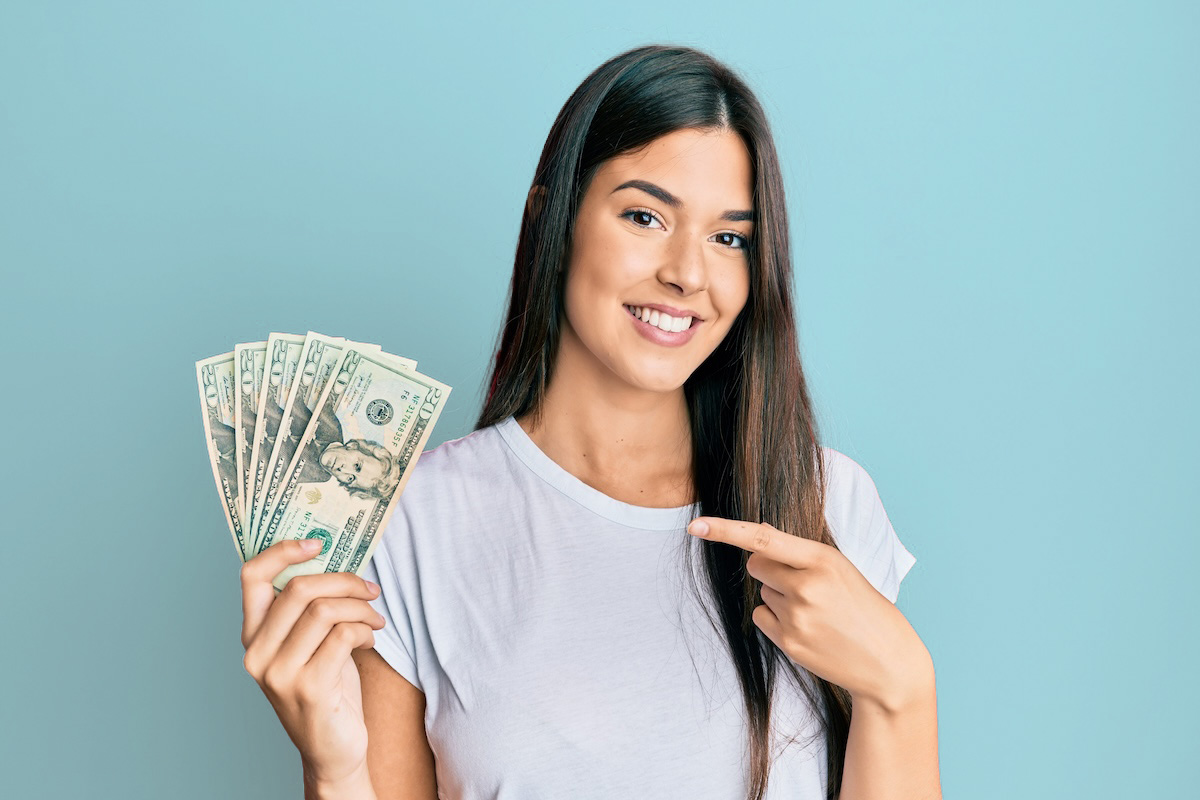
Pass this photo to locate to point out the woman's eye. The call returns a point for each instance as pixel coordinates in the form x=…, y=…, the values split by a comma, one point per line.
x=640, y=214
x=643, y=218
x=358, y=466
x=744, y=241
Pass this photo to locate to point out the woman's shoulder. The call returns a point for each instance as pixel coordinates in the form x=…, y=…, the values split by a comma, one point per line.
x=473, y=455
x=860, y=524
x=454, y=486
x=848, y=481
x=448, y=484
x=852, y=502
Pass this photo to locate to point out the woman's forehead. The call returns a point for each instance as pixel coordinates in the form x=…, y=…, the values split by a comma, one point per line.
x=692, y=168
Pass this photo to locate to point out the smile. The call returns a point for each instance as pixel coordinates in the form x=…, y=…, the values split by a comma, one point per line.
x=659, y=319
x=662, y=328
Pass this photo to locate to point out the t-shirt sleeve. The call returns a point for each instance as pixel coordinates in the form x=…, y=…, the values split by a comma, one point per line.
x=861, y=527
x=891, y=560
x=393, y=567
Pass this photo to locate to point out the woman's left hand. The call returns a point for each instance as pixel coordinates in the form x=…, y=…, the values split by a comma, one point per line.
x=825, y=615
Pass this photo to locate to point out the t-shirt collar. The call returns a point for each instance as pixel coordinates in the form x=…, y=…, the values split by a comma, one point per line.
x=654, y=519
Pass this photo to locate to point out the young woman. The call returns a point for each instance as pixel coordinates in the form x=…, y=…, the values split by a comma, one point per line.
x=547, y=627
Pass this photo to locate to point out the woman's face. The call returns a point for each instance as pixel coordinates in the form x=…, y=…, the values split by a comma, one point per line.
x=661, y=234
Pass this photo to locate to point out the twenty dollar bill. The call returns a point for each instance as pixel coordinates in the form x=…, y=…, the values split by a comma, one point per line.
x=216, y=380
x=282, y=361
x=366, y=432
x=249, y=361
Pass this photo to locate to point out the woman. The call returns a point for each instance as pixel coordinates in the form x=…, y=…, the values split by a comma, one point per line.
x=535, y=638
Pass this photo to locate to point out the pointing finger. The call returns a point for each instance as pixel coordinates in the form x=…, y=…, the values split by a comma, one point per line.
x=756, y=537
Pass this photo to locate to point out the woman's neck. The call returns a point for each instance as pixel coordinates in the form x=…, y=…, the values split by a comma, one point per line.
x=631, y=444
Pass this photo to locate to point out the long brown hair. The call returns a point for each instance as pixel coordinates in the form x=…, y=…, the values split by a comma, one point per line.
x=756, y=455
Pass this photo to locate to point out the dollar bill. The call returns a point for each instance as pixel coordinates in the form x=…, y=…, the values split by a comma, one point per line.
x=367, y=431
x=249, y=359
x=282, y=360
x=319, y=355
x=320, y=358
x=216, y=380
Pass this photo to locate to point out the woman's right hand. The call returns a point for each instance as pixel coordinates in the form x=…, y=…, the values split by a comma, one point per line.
x=298, y=651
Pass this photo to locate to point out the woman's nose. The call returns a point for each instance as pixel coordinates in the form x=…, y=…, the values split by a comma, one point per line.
x=684, y=267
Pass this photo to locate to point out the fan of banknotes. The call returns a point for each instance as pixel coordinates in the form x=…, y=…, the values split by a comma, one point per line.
x=313, y=437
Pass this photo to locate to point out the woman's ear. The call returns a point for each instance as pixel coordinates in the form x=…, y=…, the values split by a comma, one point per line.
x=536, y=200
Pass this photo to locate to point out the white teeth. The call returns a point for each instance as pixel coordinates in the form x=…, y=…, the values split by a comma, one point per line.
x=660, y=320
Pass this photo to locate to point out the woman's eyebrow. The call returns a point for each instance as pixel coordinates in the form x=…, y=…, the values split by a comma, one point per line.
x=674, y=202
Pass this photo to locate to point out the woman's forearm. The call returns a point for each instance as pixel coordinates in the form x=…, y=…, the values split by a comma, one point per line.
x=356, y=786
x=892, y=752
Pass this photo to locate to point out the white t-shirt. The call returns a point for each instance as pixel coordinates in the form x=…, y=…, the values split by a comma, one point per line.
x=559, y=649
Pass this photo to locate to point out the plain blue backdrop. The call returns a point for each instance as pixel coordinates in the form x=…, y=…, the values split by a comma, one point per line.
x=994, y=211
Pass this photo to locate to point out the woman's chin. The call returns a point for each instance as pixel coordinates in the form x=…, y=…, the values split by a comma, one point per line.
x=660, y=382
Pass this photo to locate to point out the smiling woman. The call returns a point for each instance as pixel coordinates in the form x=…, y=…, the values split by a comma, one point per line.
x=538, y=640
x=680, y=261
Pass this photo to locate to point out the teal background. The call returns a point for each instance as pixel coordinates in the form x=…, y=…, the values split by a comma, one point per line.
x=994, y=210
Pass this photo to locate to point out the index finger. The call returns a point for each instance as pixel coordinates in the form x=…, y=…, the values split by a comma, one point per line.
x=756, y=537
x=258, y=574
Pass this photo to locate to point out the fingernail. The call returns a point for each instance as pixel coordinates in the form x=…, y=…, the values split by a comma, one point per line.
x=373, y=586
x=310, y=544
x=698, y=527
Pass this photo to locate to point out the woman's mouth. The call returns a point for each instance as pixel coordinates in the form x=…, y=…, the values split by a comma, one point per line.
x=662, y=328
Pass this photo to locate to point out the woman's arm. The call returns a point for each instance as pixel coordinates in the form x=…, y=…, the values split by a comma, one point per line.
x=354, y=787
x=892, y=753
x=399, y=757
